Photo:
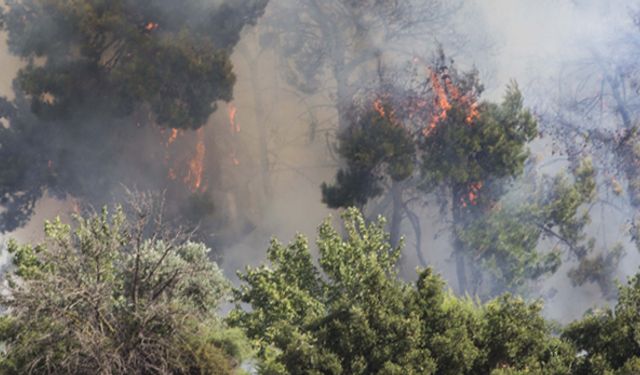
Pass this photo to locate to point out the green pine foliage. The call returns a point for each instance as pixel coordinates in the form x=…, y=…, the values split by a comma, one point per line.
x=375, y=148
x=101, y=81
x=458, y=152
x=113, y=56
x=508, y=239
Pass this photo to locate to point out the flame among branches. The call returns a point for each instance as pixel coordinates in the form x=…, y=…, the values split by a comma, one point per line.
x=233, y=111
x=196, y=164
x=150, y=26
x=377, y=105
x=445, y=94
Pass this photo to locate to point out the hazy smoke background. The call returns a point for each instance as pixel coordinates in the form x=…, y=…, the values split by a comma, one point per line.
x=531, y=41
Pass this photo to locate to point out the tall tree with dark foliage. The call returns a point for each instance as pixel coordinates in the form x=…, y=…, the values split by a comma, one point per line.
x=100, y=81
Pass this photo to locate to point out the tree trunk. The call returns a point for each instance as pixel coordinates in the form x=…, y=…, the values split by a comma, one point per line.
x=458, y=245
x=396, y=214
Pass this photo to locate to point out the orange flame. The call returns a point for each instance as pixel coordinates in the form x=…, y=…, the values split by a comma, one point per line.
x=473, y=192
x=196, y=164
x=150, y=26
x=235, y=127
x=172, y=137
x=473, y=113
x=442, y=104
x=444, y=94
x=377, y=105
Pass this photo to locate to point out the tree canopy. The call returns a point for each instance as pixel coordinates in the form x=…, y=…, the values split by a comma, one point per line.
x=433, y=135
x=352, y=315
x=104, y=85
x=115, y=294
x=114, y=56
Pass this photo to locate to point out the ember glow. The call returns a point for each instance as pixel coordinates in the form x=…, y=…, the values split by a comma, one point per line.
x=377, y=105
x=472, y=195
x=196, y=165
x=233, y=111
x=172, y=137
x=150, y=26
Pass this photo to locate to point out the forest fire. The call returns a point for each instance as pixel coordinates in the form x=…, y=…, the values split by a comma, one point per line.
x=441, y=101
x=474, y=189
x=472, y=195
x=233, y=111
x=473, y=113
x=446, y=92
x=150, y=26
x=196, y=165
x=172, y=137
x=377, y=105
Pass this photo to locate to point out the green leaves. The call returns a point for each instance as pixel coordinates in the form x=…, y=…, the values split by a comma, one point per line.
x=609, y=340
x=98, y=78
x=350, y=315
x=101, y=294
x=375, y=148
x=119, y=55
x=508, y=239
x=459, y=153
x=358, y=318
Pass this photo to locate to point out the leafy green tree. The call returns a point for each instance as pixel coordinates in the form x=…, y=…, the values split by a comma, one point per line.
x=352, y=315
x=354, y=321
x=608, y=340
x=115, y=294
x=517, y=340
x=373, y=146
x=379, y=154
x=434, y=136
x=470, y=157
x=591, y=110
x=508, y=240
x=451, y=325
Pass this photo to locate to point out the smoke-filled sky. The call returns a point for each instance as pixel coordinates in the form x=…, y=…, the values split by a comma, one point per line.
x=530, y=41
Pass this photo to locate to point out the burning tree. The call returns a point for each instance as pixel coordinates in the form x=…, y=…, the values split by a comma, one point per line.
x=343, y=40
x=101, y=85
x=468, y=150
x=433, y=137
